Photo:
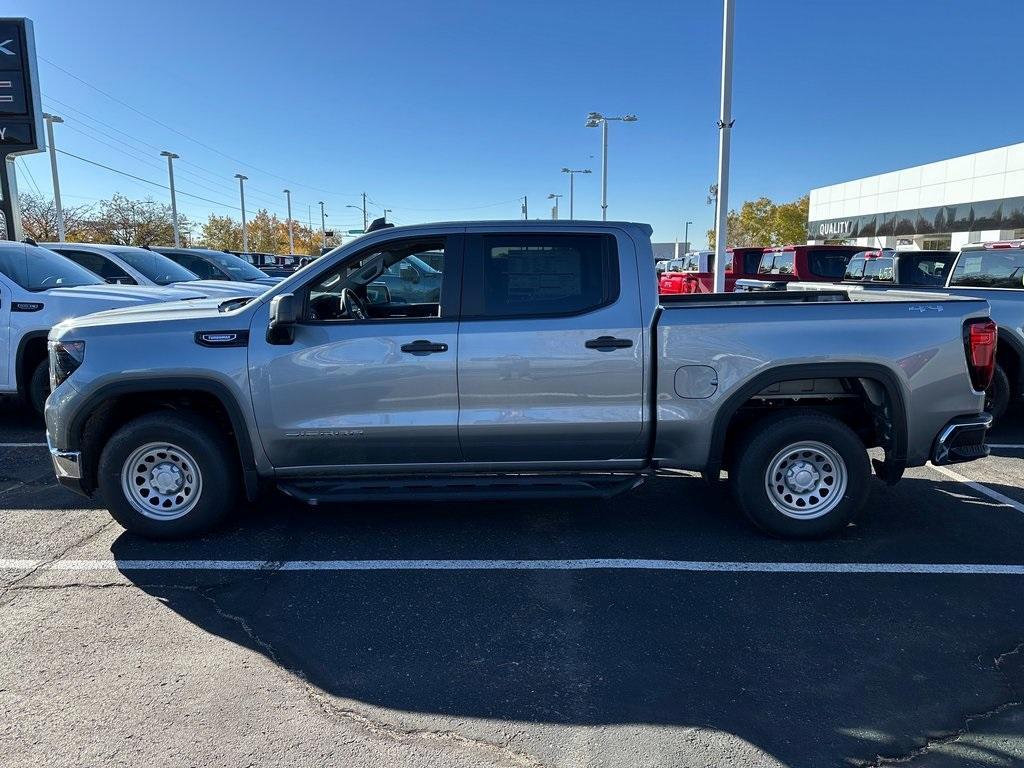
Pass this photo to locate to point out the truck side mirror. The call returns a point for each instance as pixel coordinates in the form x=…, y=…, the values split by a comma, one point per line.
x=284, y=314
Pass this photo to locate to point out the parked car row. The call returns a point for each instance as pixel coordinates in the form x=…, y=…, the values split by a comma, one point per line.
x=513, y=359
x=42, y=285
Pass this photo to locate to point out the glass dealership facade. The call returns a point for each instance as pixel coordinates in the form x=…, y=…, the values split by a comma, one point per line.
x=942, y=205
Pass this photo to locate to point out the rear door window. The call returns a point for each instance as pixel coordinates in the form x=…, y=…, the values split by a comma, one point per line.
x=101, y=266
x=517, y=275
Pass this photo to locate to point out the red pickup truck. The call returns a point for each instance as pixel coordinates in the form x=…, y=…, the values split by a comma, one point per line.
x=803, y=263
x=743, y=262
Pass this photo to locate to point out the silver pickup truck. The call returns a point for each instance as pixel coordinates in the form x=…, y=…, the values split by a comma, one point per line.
x=546, y=367
x=995, y=272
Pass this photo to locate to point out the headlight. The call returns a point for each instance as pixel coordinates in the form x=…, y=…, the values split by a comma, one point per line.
x=65, y=358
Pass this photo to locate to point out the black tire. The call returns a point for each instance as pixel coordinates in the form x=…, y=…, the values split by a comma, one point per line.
x=997, y=396
x=762, y=445
x=38, y=388
x=215, y=465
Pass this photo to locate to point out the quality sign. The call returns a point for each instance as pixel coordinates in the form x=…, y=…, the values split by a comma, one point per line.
x=21, y=114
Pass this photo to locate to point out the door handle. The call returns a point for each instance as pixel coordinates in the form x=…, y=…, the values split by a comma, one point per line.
x=424, y=347
x=608, y=343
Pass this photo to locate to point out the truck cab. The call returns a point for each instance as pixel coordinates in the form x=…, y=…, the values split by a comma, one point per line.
x=799, y=263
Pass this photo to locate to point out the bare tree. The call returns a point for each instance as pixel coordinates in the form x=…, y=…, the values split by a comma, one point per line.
x=39, y=219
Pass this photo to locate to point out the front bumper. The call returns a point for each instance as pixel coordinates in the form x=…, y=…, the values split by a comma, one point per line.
x=68, y=467
x=963, y=439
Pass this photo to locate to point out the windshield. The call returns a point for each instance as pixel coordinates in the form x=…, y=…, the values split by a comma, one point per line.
x=37, y=269
x=155, y=266
x=236, y=266
x=1002, y=268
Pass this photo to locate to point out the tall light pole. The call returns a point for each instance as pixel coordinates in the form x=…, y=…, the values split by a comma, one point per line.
x=525, y=208
x=554, y=211
x=241, y=194
x=594, y=120
x=50, y=120
x=386, y=212
x=323, y=225
x=686, y=234
x=291, y=235
x=171, y=157
x=572, y=192
x=725, y=122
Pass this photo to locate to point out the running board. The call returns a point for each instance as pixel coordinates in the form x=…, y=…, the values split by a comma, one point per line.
x=458, y=487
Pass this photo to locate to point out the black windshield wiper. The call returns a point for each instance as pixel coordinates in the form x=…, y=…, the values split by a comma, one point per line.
x=235, y=303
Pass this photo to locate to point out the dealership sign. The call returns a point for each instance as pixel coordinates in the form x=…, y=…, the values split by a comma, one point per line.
x=21, y=114
x=1005, y=213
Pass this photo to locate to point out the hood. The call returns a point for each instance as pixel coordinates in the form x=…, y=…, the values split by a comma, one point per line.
x=224, y=288
x=196, y=309
x=268, y=280
x=86, y=299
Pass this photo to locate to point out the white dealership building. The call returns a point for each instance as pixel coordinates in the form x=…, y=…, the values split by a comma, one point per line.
x=942, y=205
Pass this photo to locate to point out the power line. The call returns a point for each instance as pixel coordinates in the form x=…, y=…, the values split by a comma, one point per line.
x=164, y=125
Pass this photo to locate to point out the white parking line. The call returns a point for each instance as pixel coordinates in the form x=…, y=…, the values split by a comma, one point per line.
x=994, y=495
x=586, y=564
x=22, y=445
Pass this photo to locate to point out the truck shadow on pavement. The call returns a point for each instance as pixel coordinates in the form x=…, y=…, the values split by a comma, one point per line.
x=813, y=669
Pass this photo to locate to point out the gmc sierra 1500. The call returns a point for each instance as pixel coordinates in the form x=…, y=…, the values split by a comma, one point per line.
x=545, y=366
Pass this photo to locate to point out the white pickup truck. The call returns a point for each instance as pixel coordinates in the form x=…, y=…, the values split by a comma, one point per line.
x=39, y=289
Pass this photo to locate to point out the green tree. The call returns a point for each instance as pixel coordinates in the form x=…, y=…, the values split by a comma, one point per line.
x=222, y=233
x=763, y=222
x=122, y=221
x=39, y=219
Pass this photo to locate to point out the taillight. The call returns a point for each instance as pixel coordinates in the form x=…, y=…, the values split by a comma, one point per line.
x=980, y=338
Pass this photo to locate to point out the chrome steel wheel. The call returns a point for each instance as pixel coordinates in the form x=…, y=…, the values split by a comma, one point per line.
x=161, y=481
x=806, y=480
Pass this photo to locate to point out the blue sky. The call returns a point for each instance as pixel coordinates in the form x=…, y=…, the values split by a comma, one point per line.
x=447, y=110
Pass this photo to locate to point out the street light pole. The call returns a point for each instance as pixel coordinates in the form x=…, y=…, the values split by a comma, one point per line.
x=595, y=119
x=686, y=234
x=572, y=192
x=365, y=222
x=554, y=211
x=241, y=194
x=171, y=157
x=725, y=122
x=50, y=120
x=526, y=213
x=291, y=236
x=323, y=225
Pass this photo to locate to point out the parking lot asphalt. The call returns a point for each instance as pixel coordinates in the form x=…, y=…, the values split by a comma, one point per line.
x=656, y=628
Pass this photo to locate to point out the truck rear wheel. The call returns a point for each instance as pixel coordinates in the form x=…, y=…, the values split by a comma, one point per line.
x=168, y=475
x=801, y=475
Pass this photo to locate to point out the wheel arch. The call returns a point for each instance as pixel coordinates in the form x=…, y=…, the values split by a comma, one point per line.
x=880, y=375
x=95, y=420
x=28, y=356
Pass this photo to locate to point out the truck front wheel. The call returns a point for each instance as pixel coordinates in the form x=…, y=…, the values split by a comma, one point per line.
x=168, y=475
x=801, y=475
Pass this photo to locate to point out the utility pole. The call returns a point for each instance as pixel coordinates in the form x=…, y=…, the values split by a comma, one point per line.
x=50, y=120
x=171, y=157
x=365, y=222
x=323, y=225
x=241, y=194
x=291, y=234
x=526, y=210
x=725, y=122
x=686, y=235
x=386, y=212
